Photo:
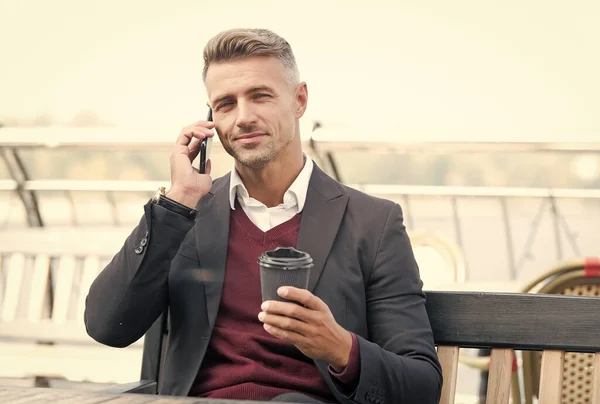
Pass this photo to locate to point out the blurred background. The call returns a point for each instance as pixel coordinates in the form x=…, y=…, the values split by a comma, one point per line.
x=479, y=117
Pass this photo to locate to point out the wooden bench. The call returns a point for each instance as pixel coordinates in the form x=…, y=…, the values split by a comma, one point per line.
x=45, y=275
x=43, y=339
x=503, y=322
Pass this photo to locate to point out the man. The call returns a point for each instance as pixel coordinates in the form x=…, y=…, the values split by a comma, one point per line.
x=360, y=333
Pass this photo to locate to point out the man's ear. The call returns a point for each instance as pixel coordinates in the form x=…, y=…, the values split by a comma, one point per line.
x=301, y=99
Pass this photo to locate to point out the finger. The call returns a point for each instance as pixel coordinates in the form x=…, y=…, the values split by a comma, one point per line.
x=184, y=139
x=200, y=125
x=194, y=148
x=303, y=297
x=191, y=150
x=204, y=123
x=286, y=335
x=285, y=323
x=187, y=134
x=209, y=132
x=201, y=129
x=200, y=133
x=287, y=309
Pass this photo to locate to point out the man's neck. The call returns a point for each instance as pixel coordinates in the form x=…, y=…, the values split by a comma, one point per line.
x=269, y=184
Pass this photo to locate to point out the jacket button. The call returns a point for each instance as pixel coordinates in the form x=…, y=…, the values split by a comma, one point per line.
x=143, y=242
x=139, y=249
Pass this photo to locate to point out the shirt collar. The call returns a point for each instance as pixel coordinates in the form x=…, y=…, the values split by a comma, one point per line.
x=294, y=196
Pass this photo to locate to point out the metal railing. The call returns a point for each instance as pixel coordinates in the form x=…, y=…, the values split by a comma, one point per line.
x=322, y=146
x=547, y=203
x=326, y=139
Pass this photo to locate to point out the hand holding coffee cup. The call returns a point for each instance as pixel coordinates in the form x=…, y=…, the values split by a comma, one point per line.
x=317, y=335
x=283, y=266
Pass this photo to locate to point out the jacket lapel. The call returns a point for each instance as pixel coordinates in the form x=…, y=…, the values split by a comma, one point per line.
x=212, y=238
x=321, y=217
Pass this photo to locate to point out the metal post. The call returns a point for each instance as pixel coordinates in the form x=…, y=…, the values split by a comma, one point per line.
x=458, y=231
x=113, y=207
x=28, y=197
x=408, y=216
x=526, y=254
x=509, y=239
x=556, y=225
x=69, y=197
x=333, y=165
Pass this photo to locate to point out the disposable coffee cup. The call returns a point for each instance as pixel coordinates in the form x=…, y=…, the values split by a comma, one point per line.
x=283, y=266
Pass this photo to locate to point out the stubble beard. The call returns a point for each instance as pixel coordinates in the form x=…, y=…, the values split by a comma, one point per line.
x=256, y=157
x=253, y=156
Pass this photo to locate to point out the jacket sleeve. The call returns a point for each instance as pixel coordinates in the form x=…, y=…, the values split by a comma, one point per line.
x=398, y=362
x=132, y=290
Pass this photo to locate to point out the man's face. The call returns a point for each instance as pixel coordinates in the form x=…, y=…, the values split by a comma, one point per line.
x=255, y=108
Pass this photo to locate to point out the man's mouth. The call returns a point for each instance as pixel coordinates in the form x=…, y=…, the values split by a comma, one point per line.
x=249, y=137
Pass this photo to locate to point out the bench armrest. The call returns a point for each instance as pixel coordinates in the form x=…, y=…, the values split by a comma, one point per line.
x=139, y=387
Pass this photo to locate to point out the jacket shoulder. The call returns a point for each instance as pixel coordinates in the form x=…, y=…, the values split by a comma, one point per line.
x=364, y=200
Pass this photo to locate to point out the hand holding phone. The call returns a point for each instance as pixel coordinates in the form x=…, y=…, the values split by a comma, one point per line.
x=205, y=146
x=187, y=185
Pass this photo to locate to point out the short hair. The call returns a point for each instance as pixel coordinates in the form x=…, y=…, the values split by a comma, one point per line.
x=241, y=43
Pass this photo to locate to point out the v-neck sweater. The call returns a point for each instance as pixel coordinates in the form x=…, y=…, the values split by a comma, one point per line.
x=243, y=361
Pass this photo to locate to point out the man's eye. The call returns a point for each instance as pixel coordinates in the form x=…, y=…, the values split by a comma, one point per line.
x=223, y=105
x=261, y=95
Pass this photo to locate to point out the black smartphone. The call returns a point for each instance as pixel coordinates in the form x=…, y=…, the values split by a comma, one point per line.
x=205, y=147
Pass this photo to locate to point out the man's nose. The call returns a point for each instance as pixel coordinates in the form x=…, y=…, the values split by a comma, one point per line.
x=246, y=115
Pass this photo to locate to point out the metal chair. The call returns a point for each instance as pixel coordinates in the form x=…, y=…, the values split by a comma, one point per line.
x=580, y=277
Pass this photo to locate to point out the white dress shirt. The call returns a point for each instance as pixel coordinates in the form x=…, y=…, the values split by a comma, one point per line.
x=266, y=218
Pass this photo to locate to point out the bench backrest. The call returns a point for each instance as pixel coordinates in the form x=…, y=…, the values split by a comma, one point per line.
x=45, y=275
x=504, y=322
x=508, y=322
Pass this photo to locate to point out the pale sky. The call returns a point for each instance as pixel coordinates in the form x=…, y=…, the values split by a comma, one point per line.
x=484, y=68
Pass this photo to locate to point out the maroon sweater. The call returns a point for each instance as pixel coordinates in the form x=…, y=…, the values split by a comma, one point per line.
x=243, y=361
